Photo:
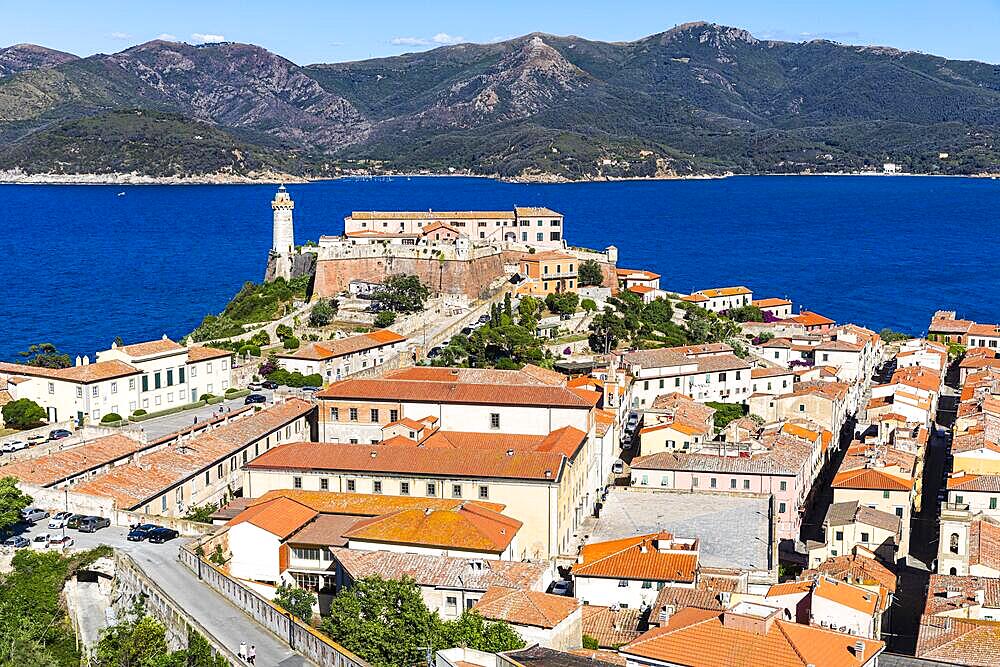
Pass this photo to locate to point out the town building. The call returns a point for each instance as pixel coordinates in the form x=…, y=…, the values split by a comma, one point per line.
x=629, y=573
x=550, y=621
x=719, y=299
x=337, y=359
x=771, y=381
x=821, y=402
x=548, y=272
x=204, y=468
x=534, y=226
x=813, y=322
x=961, y=621
x=849, y=526
x=710, y=372
x=743, y=635
x=831, y=603
x=946, y=328
x=629, y=278
x=675, y=422
x=779, y=308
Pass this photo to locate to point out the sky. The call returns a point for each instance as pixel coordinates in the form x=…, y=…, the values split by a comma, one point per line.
x=333, y=31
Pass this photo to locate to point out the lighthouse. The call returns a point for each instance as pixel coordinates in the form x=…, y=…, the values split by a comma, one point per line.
x=283, y=239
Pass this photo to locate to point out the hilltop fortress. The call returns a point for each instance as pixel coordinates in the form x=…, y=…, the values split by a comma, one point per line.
x=452, y=252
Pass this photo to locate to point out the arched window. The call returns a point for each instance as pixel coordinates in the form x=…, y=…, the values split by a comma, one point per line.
x=953, y=572
x=953, y=543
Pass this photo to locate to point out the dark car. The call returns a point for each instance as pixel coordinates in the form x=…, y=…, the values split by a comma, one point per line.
x=161, y=535
x=483, y=319
x=92, y=524
x=59, y=434
x=268, y=384
x=140, y=532
x=255, y=398
x=74, y=520
x=310, y=390
x=435, y=351
x=466, y=331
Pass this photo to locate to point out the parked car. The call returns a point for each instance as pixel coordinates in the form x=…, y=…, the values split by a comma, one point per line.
x=34, y=514
x=618, y=467
x=40, y=541
x=466, y=331
x=17, y=542
x=562, y=587
x=60, y=519
x=161, y=535
x=255, y=386
x=140, y=532
x=74, y=520
x=483, y=319
x=60, y=541
x=59, y=434
x=255, y=398
x=435, y=351
x=14, y=446
x=269, y=384
x=35, y=439
x=92, y=524
x=310, y=390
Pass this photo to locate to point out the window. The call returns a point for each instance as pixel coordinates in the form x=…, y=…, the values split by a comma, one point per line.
x=644, y=481
x=677, y=382
x=296, y=482
x=351, y=485
x=305, y=553
x=993, y=503
x=208, y=477
x=180, y=375
x=456, y=490
x=393, y=415
x=324, y=484
x=647, y=584
x=431, y=489
x=114, y=387
x=802, y=407
x=623, y=583
x=783, y=485
x=781, y=508
x=208, y=367
x=374, y=415
x=93, y=391
x=131, y=384
x=218, y=471
x=335, y=414
x=885, y=494
x=540, y=236
x=244, y=456
x=713, y=482
x=156, y=380
x=732, y=484
x=194, y=371
x=864, y=537
x=958, y=499
x=163, y=503
x=484, y=492
x=722, y=377
x=839, y=535
x=79, y=392
x=404, y=488
x=377, y=487
x=661, y=383
x=354, y=414
x=953, y=543
x=664, y=481
x=899, y=512
x=494, y=420
x=746, y=484
x=145, y=383
x=170, y=378
x=694, y=482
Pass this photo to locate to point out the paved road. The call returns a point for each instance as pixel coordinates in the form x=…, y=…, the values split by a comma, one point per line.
x=161, y=426
x=224, y=621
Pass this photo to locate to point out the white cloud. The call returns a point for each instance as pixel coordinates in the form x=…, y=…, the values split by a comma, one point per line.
x=167, y=37
x=445, y=38
x=409, y=41
x=440, y=39
x=120, y=35
x=206, y=38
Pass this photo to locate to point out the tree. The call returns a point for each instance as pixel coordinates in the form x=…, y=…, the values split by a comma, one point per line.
x=290, y=343
x=473, y=631
x=138, y=641
x=12, y=501
x=890, y=336
x=383, y=621
x=658, y=314
x=589, y=273
x=202, y=513
x=118, y=342
x=745, y=314
x=23, y=413
x=529, y=311
x=402, y=293
x=725, y=412
x=588, y=305
x=385, y=319
x=46, y=355
x=283, y=331
x=563, y=303
x=323, y=312
x=296, y=601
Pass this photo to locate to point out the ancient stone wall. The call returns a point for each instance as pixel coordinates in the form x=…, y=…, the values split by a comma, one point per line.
x=470, y=277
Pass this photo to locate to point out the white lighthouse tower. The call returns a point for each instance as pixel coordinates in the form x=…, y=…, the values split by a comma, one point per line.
x=283, y=242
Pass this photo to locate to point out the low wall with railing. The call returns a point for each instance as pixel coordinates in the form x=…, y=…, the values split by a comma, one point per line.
x=300, y=636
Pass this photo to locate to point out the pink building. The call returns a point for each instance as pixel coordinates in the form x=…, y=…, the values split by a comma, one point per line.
x=782, y=465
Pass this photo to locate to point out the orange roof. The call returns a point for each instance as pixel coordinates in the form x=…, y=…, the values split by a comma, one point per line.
x=636, y=274
x=61, y=465
x=857, y=568
x=801, y=432
x=641, y=557
x=701, y=637
x=201, y=353
x=789, y=588
x=694, y=298
x=842, y=593
x=811, y=319
x=770, y=303
x=984, y=330
x=83, y=374
x=394, y=388
x=279, y=516
x=466, y=527
x=640, y=289
x=870, y=478
x=151, y=347
x=724, y=291
x=366, y=504
x=331, y=349
x=919, y=377
x=521, y=607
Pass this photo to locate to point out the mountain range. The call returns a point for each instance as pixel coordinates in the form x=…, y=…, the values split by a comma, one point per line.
x=698, y=98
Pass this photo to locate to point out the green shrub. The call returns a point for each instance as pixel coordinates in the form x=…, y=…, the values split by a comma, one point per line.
x=590, y=643
x=111, y=417
x=589, y=273
x=385, y=318
x=231, y=390
x=291, y=343
x=206, y=397
x=138, y=413
x=22, y=413
x=248, y=351
x=295, y=379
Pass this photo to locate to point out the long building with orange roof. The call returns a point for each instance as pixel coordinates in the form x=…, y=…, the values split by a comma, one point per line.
x=337, y=359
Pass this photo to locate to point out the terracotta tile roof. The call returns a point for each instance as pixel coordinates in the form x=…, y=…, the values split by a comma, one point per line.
x=443, y=571
x=757, y=373
x=326, y=530
x=434, y=462
x=546, y=256
x=611, y=628
x=771, y=302
x=152, y=347
x=393, y=388
x=984, y=330
x=949, y=325
x=432, y=215
x=811, y=319
x=857, y=569
x=721, y=362
x=958, y=641
x=962, y=482
x=366, y=504
x=949, y=593
x=789, y=588
x=839, y=346
x=521, y=607
x=870, y=478
x=919, y=377
x=848, y=595
x=835, y=391
x=984, y=543
x=434, y=226
x=538, y=656
x=640, y=289
x=525, y=211
x=678, y=597
x=640, y=557
x=684, y=407
x=842, y=514
x=464, y=375
x=466, y=527
x=53, y=468
x=83, y=374
x=280, y=516
x=724, y=291
x=700, y=637
x=149, y=476
x=694, y=298
x=636, y=274
x=566, y=440
x=202, y=353
x=331, y=349
x=786, y=455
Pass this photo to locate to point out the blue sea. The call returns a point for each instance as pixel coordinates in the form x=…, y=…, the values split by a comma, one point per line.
x=82, y=265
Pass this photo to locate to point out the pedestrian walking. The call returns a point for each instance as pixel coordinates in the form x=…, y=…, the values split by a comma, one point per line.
x=252, y=654
x=242, y=655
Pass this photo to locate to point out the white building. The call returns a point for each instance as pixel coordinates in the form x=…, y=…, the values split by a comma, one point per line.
x=338, y=359
x=718, y=299
x=709, y=372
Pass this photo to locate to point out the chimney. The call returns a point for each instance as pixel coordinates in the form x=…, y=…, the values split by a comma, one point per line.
x=86, y=360
x=374, y=453
x=666, y=612
x=79, y=361
x=981, y=597
x=859, y=650
x=510, y=452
